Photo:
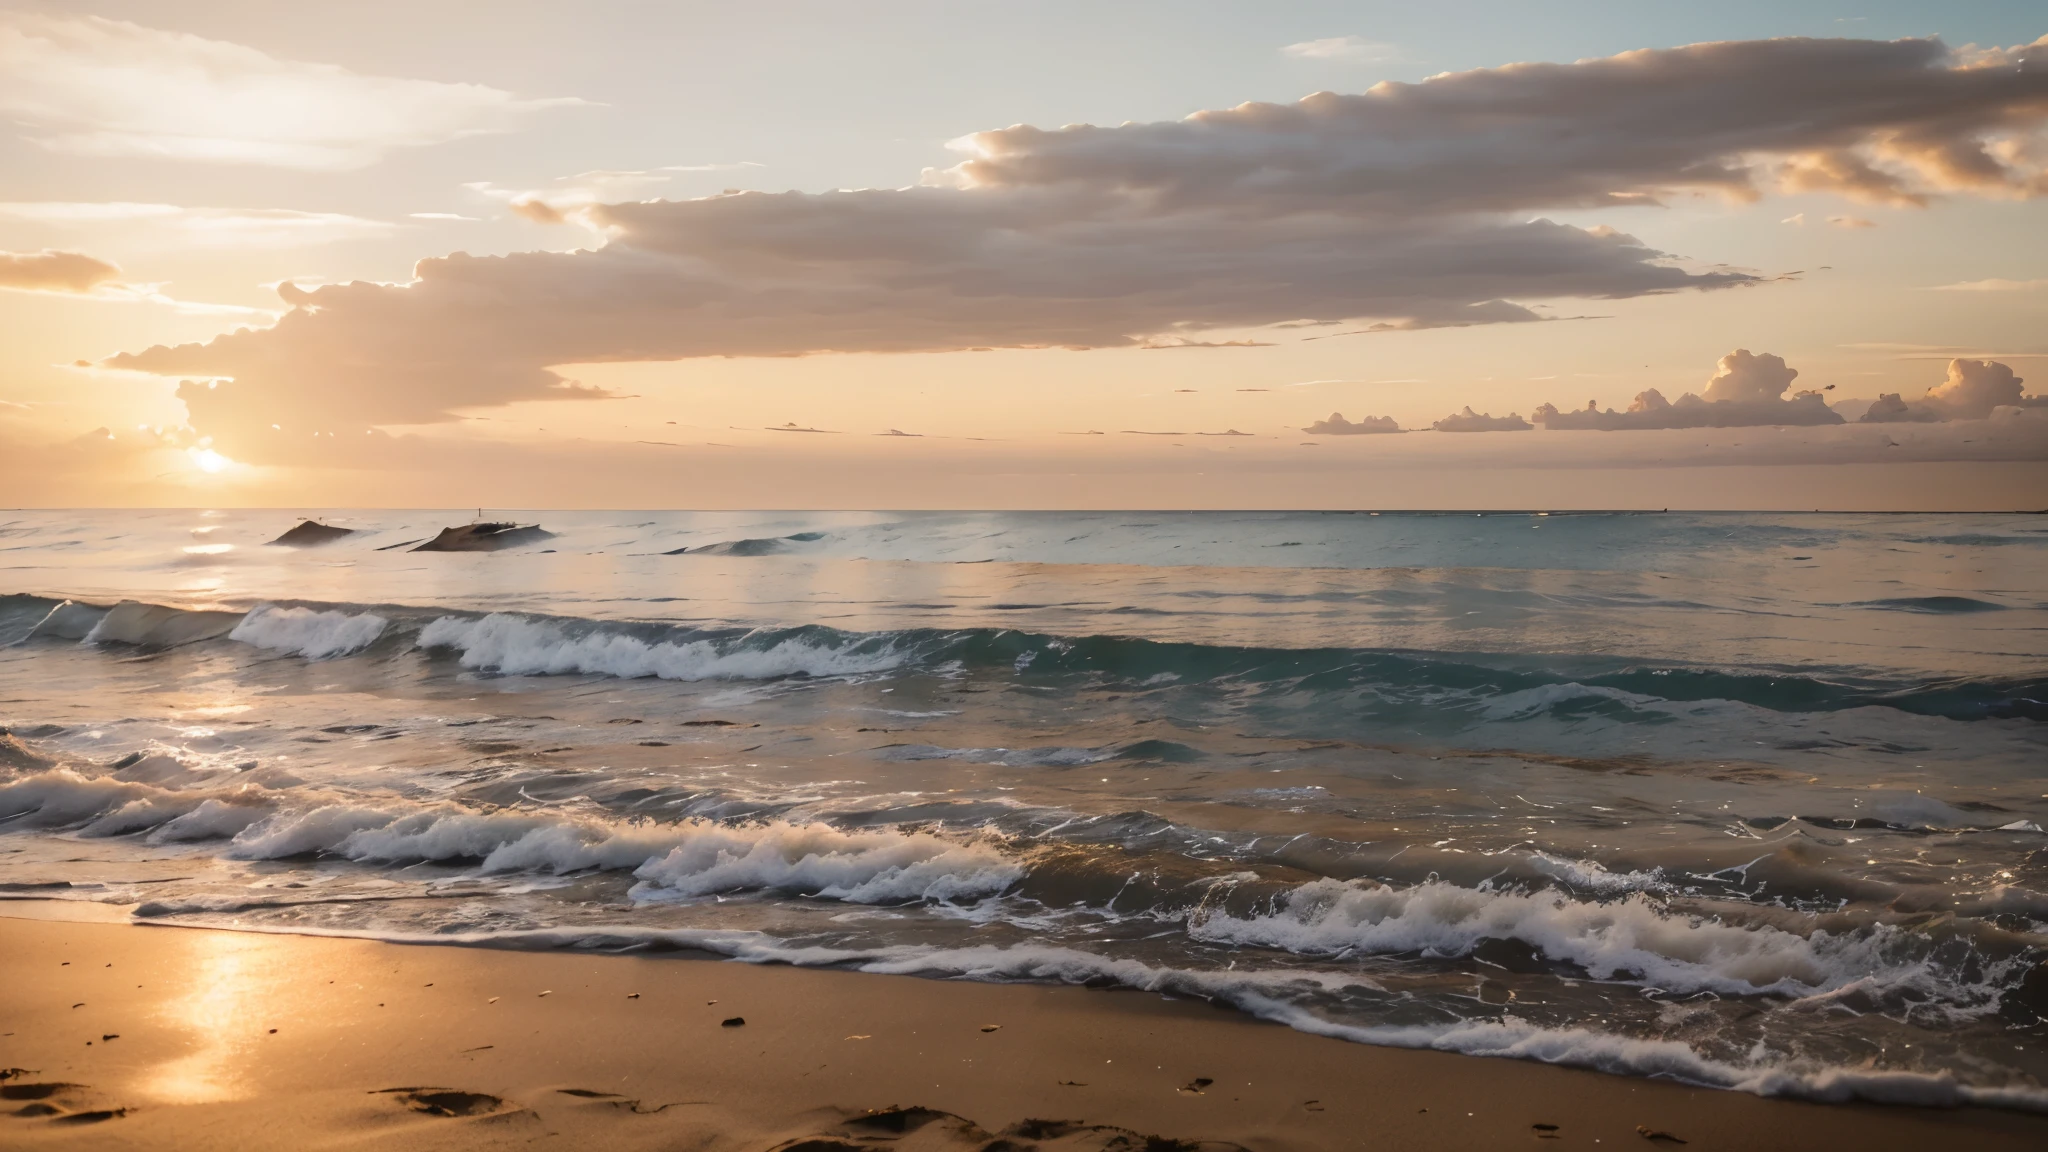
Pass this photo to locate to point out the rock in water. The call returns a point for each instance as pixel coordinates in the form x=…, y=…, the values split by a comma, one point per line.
x=311, y=533
x=487, y=537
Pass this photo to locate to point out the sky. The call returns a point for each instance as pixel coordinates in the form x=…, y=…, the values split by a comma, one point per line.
x=1024, y=255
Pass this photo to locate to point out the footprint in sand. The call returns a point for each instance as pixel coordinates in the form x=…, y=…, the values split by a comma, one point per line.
x=626, y=1102
x=46, y=1099
x=938, y=1130
x=445, y=1101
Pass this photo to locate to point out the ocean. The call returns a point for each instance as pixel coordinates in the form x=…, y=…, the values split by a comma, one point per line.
x=1749, y=801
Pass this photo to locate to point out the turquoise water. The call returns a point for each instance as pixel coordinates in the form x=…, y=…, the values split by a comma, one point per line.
x=1748, y=800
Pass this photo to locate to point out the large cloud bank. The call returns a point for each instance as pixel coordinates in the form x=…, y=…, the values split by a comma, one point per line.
x=1972, y=391
x=1748, y=390
x=1406, y=206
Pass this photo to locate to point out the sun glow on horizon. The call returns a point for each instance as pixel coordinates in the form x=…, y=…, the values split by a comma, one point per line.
x=209, y=461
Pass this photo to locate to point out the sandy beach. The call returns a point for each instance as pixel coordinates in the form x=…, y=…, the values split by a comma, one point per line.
x=128, y=1036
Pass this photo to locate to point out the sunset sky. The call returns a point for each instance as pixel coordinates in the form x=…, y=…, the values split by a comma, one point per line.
x=832, y=255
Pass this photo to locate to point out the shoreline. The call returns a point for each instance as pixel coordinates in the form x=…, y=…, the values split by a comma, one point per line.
x=215, y=1037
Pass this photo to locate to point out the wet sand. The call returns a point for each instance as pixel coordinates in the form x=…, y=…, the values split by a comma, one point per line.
x=117, y=1035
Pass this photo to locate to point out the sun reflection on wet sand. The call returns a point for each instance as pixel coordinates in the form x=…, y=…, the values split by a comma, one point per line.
x=231, y=977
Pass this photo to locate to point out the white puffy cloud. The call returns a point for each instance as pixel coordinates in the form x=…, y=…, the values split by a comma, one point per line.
x=1407, y=206
x=1744, y=376
x=1747, y=390
x=51, y=271
x=1972, y=389
x=1337, y=425
x=1470, y=421
x=95, y=87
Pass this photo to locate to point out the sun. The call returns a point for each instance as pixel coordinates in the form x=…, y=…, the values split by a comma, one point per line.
x=208, y=460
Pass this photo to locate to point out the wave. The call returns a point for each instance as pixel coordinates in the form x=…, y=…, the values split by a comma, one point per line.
x=688, y=858
x=1936, y=605
x=1599, y=923
x=140, y=625
x=308, y=632
x=1393, y=683
x=1631, y=938
x=756, y=546
x=1273, y=996
x=519, y=645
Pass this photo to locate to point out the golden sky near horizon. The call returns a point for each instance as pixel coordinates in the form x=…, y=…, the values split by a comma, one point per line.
x=967, y=255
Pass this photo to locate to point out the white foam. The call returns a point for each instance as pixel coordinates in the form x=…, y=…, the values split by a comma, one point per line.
x=307, y=632
x=305, y=831
x=212, y=819
x=100, y=806
x=818, y=860
x=1628, y=938
x=141, y=814
x=516, y=645
x=1591, y=876
x=507, y=842
x=1264, y=995
x=688, y=859
x=62, y=798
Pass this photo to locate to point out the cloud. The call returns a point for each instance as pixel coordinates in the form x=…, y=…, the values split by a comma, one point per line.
x=1408, y=206
x=565, y=198
x=1994, y=286
x=94, y=87
x=1747, y=390
x=1744, y=377
x=1732, y=117
x=1972, y=390
x=51, y=271
x=1339, y=48
x=1470, y=421
x=172, y=225
x=1337, y=425
x=1157, y=343
x=1851, y=222
x=538, y=211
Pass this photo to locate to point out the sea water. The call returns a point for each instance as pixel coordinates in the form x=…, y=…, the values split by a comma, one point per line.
x=1753, y=801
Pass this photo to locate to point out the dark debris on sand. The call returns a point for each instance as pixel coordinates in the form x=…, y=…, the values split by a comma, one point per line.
x=938, y=1131
x=57, y=1101
x=444, y=1101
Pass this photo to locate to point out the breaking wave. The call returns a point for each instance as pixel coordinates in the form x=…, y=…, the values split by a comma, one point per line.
x=1468, y=684
x=518, y=645
x=308, y=632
